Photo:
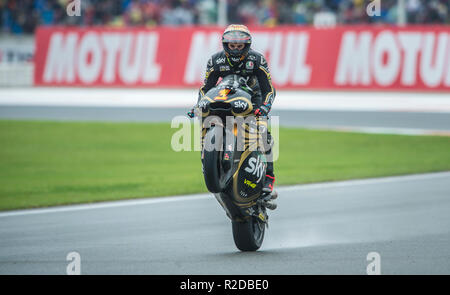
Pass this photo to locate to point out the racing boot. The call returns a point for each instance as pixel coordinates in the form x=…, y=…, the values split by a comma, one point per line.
x=268, y=193
x=268, y=184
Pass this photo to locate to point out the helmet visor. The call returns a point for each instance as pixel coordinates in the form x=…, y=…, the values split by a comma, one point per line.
x=236, y=37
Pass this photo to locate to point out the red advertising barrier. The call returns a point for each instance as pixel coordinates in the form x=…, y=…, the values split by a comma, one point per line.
x=346, y=57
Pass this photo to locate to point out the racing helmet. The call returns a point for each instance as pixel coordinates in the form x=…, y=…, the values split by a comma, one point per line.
x=236, y=34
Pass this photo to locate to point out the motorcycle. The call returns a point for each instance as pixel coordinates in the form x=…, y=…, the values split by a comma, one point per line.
x=233, y=159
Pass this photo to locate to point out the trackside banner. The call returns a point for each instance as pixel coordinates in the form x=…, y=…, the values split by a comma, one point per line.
x=347, y=57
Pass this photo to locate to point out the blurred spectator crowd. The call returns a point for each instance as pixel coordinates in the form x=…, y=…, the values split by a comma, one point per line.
x=22, y=16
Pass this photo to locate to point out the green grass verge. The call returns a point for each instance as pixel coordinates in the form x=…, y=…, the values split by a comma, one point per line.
x=55, y=163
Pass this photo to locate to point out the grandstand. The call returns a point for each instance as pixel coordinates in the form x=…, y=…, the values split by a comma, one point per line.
x=23, y=16
x=19, y=19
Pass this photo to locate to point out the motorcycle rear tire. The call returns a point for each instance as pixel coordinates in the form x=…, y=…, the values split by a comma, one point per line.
x=248, y=235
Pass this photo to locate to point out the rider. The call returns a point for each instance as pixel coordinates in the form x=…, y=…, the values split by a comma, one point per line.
x=238, y=58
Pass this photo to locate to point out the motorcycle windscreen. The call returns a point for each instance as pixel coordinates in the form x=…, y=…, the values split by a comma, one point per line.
x=248, y=180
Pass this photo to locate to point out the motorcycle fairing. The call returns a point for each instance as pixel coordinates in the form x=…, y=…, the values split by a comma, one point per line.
x=248, y=179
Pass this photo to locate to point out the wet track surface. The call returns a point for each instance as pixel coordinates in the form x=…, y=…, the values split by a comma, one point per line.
x=317, y=229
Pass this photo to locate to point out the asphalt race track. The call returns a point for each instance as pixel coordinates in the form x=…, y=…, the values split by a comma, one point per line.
x=397, y=122
x=373, y=112
x=327, y=228
x=317, y=229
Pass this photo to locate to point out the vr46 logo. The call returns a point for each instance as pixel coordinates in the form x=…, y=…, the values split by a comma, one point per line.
x=249, y=183
x=256, y=167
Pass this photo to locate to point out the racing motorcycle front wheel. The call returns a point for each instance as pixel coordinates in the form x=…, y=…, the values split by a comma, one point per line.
x=213, y=171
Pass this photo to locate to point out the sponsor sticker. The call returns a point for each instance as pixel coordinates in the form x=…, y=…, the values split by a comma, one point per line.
x=249, y=183
x=220, y=60
x=240, y=104
x=256, y=167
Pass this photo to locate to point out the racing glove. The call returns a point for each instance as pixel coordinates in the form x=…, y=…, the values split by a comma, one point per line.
x=191, y=113
x=263, y=110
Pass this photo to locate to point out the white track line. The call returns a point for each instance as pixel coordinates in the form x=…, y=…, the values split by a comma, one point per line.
x=301, y=187
x=369, y=181
x=101, y=205
x=381, y=130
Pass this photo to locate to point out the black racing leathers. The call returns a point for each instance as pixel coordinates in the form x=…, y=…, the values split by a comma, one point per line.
x=253, y=67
